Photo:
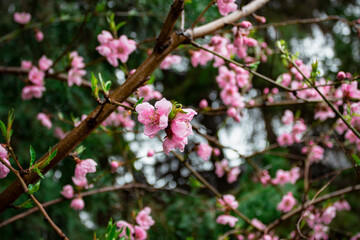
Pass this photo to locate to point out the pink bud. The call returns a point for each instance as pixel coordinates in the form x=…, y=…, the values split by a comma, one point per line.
x=77, y=204
x=39, y=36
x=245, y=24
x=114, y=165
x=150, y=153
x=216, y=152
x=341, y=75
x=266, y=91
x=68, y=191
x=203, y=104
x=231, y=112
x=275, y=91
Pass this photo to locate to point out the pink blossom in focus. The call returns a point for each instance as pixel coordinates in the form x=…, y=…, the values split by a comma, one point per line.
x=154, y=119
x=80, y=182
x=84, y=167
x=204, y=151
x=203, y=104
x=77, y=204
x=287, y=202
x=140, y=233
x=22, y=17
x=36, y=76
x=26, y=64
x=68, y=191
x=45, y=63
x=227, y=219
x=32, y=91
x=226, y=6
x=45, y=120
x=144, y=219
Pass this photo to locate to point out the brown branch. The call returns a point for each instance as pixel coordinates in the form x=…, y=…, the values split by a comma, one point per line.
x=169, y=24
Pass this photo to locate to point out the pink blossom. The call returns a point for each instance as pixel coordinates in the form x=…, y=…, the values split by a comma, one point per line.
x=68, y=191
x=328, y=215
x=320, y=232
x=39, y=36
x=59, y=133
x=45, y=120
x=3, y=152
x=154, y=119
x=76, y=60
x=75, y=76
x=22, y=17
x=232, y=112
x=174, y=143
x=316, y=153
x=233, y=174
x=140, y=233
x=36, y=76
x=124, y=225
x=230, y=95
x=150, y=153
x=169, y=61
x=288, y=117
x=245, y=24
x=287, y=202
x=226, y=6
x=286, y=79
x=32, y=91
x=203, y=104
x=77, y=204
x=282, y=177
x=258, y=224
x=355, y=237
x=144, y=219
x=84, y=167
x=3, y=169
x=341, y=75
x=114, y=165
x=294, y=175
x=323, y=112
x=264, y=177
x=216, y=152
x=26, y=64
x=227, y=219
x=285, y=140
x=201, y=57
x=225, y=77
x=148, y=93
x=228, y=200
x=45, y=63
x=104, y=37
x=204, y=151
x=342, y=205
x=298, y=129
x=80, y=182
x=122, y=48
x=220, y=167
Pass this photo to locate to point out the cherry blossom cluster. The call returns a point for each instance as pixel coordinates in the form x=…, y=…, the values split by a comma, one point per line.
x=317, y=219
x=298, y=129
x=169, y=61
x=4, y=156
x=148, y=93
x=139, y=232
x=169, y=117
x=36, y=78
x=76, y=71
x=114, y=49
x=227, y=203
x=287, y=203
x=282, y=177
x=222, y=168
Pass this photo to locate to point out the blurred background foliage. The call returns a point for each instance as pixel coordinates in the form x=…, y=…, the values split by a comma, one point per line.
x=178, y=216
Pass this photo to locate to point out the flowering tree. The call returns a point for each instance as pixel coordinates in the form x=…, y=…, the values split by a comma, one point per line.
x=138, y=132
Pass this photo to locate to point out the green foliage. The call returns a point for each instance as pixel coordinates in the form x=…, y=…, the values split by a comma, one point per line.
x=33, y=188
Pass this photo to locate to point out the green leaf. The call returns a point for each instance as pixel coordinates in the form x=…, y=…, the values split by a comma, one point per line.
x=32, y=156
x=139, y=101
x=102, y=83
x=119, y=25
x=254, y=65
x=3, y=129
x=27, y=204
x=356, y=159
x=152, y=79
x=107, y=86
x=33, y=188
x=80, y=149
x=50, y=157
x=11, y=118
x=37, y=170
x=94, y=85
